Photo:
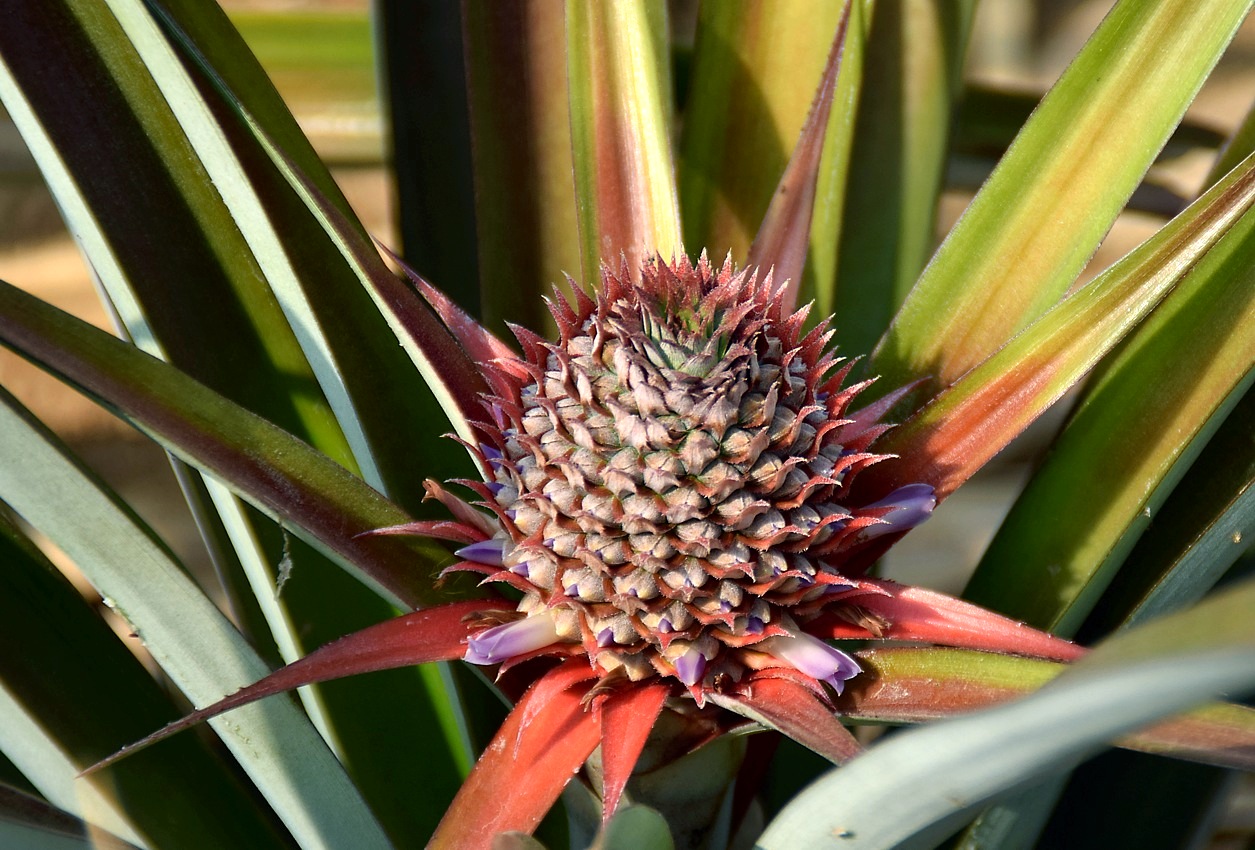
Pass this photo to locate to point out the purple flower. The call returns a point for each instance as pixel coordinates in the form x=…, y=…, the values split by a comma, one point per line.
x=813, y=657
x=690, y=666
x=492, y=646
x=490, y=552
x=910, y=506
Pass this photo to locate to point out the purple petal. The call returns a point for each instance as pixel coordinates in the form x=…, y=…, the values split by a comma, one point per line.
x=605, y=637
x=664, y=626
x=910, y=505
x=490, y=551
x=492, y=646
x=690, y=666
x=490, y=452
x=813, y=657
x=755, y=625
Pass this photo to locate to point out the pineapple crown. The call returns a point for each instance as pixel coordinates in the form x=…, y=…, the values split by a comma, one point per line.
x=671, y=481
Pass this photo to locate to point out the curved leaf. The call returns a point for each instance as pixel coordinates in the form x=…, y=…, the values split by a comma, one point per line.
x=196, y=646
x=922, y=782
x=1141, y=421
x=1040, y=216
x=70, y=691
x=281, y=475
x=783, y=704
x=420, y=637
x=960, y=430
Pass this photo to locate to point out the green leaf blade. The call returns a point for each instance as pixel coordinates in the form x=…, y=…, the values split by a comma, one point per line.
x=620, y=94
x=1140, y=423
x=1053, y=197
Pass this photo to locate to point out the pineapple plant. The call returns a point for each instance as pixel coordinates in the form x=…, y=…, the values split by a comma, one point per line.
x=674, y=490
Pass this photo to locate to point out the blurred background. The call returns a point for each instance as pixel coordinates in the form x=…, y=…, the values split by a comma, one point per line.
x=320, y=55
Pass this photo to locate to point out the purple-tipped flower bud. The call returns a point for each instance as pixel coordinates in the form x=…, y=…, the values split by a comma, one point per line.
x=490, y=552
x=492, y=646
x=813, y=657
x=690, y=666
x=911, y=505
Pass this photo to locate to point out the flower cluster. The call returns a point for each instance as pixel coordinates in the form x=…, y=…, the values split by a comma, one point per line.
x=671, y=482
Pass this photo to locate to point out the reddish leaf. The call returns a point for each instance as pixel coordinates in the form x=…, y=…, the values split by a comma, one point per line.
x=619, y=89
x=627, y=717
x=1218, y=734
x=784, y=235
x=796, y=710
x=916, y=685
x=540, y=746
x=436, y=634
x=913, y=613
x=479, y=343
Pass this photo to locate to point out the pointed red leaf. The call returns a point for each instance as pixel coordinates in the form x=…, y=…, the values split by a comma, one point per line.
x=627, y=717
x=540, y=746
x=916, y=614
x=783, y=237
x=436, y=634
x=796, y=710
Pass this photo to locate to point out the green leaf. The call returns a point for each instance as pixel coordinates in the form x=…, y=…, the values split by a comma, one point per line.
x=1038, y=219
x=920, y=784
x=961, y=429
x=1213, y=522
x=424, y=75
x=70, y=692
x=783, y=238
x=911, y=75
x=317, y=282
x=620, y=90
x=33, y=824
x=363, y=376
x=159, y=218
x=746, y=104
x=323, y=503
x=633, y=827
x=195, y=645
x=1142, y=420
x=520, y=123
